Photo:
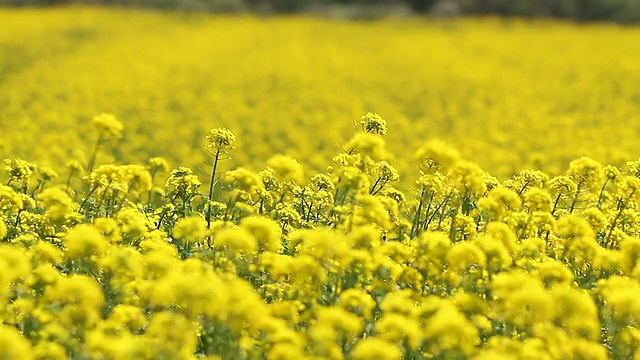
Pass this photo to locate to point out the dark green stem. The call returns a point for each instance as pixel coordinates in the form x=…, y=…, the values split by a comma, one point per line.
x=213, y=176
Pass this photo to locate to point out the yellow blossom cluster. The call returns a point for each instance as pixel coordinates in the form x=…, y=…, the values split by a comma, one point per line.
x=142, y=262
x=507, y=93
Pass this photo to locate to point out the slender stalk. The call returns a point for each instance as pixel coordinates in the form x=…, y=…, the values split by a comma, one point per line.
x=426, y=213
x=555, y=204
x=435, y=212
x=68, y=183
x=213, y=176
x=373, y=190
x=524, y=187
x=615, y=220
x=575, y=198
x=153, y=175
x=601, y=196
x=416, y=218
x=84, y=202
x=94, y=155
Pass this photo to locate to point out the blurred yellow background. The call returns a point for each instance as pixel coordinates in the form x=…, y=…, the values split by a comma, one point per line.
x=509, y=94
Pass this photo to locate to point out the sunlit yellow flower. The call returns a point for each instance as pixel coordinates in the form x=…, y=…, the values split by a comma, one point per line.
x=13, y=345
x=190, y=230
x=221, y=138
x=373, y=123
x=373, y=348
x=84, y=240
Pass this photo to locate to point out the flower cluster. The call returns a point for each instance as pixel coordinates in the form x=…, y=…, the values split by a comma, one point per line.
x=340, y=264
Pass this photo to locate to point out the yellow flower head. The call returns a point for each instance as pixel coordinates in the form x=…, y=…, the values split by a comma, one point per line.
x=108, y=126
x=158, y=164
x=84, y=240
x=10, y=201
x=190, y=230
x=266, y=232
x=286, y=169
x=586, y=172
x=182, y=180
x=367, y=144
x=13, y=345
x=374, y=124
x=436, y=155
x=20, y=171
x=221, y=139
x=374, y=348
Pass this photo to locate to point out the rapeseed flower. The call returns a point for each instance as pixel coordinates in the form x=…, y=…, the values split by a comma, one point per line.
x=374, y=348
x=84, y=240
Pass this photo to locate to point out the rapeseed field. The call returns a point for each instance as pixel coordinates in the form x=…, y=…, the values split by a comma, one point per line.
x=507, y=94
x=182, y=186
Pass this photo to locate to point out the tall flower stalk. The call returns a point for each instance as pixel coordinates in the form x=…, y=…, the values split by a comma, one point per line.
x=220, y=141
x=108, y=128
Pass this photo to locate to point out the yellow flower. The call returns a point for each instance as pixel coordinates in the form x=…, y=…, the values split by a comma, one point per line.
x=221, y=139
x=49, y=350
x=464, y=255
x=586, y=172
x=182, y=180
x=58, y=204
x=3, y=229
x=127, y=316
x=13, y=345
x=20, y=172
x=108, y=126
x=236, y=239
x=158, y=164
x=437, y=155
x=467, y=176
x=399, y=329
x=515, y=291
x=553, y=272
x=537, y=199
x=374, y=124
x=266, y=232
x=448, y=329
x=374, y=348
x=371, y=210
x=77, y=300
x=629, y=188
x=595, y=218
x=133, y=223
x=47, y=173
x=286, y=169
x=84, y=240
x=190, y=230
x=367, y=144
x=348, y=324
x=45, y=251
x=245, y=180
x=15, y=266
x=497, y=254
x=172, y=336
x=357, y=301
x=499, y=202
x=576, y=312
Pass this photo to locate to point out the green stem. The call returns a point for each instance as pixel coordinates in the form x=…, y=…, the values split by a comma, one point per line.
x=615, y=220
x=575, y=198
x=555, y=204
x=94, y=155
x=153, y=175
x=416, y=218
x=601, y=196
x=213, y=176
x=87, y=198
